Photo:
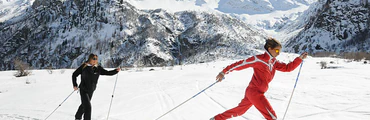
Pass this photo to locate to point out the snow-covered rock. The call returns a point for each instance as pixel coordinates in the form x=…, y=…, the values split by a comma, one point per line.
x=62, y=33
x=335, y=26
x=13, y=8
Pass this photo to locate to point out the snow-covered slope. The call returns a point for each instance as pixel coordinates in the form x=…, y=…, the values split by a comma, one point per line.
x=252, y=7
x=175, y=5
x=319, y=25
x=181, y=31
x=61, y=34
x=321, y=94
x=271, y=16
x=12, y=8
x=226, y=6
x=336, y=26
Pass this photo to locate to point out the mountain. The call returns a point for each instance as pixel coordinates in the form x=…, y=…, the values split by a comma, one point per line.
x=334, y=26
x=60, y=34
x=267, y=15
x=225, y=6
x=252, y=7
x=271, y=16
x=12, y=8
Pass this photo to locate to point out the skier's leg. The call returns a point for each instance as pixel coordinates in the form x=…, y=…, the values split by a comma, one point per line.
x=79, y=112
x=85, y=99
x=243, y=106
x=259, y=100
x=88, y=115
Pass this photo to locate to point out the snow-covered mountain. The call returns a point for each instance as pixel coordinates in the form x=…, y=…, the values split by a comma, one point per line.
x=62, y=33
x=136, y=32
x=265, y=15
x=271, y=16
x=12, y=8
x=336, y=26
x=252, y=7
x=226, y=6
x=293, y=21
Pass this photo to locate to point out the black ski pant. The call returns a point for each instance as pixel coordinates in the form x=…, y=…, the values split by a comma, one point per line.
x=85, y=107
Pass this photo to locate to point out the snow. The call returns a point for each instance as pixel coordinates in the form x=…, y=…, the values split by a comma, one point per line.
x=152, y=46
x=169, y=5
x=329, y=94
x=12, y=8
x=336, y=30
x=266, y=15
x=270, y=21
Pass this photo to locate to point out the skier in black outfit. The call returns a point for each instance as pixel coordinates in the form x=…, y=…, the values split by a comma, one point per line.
x=90, y=72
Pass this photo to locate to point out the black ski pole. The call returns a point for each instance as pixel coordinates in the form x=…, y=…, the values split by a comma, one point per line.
x=60, y=104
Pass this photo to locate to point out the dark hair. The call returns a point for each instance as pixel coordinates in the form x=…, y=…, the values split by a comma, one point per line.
x=91, y=56
x=271, y=43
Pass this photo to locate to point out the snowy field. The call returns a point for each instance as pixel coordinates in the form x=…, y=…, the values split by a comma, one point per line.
x=321, y=94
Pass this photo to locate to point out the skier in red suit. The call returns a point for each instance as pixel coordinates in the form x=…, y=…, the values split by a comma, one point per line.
x=264, y=67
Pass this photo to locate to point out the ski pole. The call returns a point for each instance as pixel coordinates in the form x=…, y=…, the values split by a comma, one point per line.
x=60, y=104
x=187, y=100
x=291, y=96
x=114, y=89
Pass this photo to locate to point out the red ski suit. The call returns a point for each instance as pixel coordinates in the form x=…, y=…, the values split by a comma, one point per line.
x=264, y=67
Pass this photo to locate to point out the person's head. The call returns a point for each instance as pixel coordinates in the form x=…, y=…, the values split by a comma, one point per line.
x=273, y=47
x=93, y=59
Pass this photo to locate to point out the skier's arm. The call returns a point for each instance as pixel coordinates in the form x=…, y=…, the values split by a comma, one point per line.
x=292, y=65
x=75, y=74
x=240, y=65
x=105, y=72
x=288, y=67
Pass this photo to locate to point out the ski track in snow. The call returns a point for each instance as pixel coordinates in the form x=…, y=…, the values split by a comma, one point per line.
x=218, y=103
x=165, y=98
x=329, y=94
x=15, y=117
x=334, y=111
x=138, y=97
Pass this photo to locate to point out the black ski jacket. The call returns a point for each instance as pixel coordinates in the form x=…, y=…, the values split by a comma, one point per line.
x=89, y=76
